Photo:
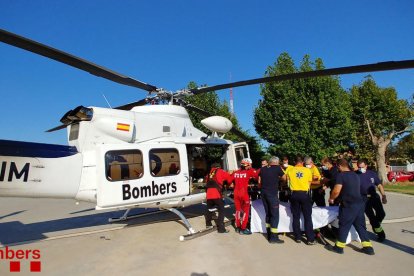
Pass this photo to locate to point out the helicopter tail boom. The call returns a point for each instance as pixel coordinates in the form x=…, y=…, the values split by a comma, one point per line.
x=39, y=170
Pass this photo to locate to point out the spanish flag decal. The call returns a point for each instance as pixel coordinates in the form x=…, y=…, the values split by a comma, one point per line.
x=122, y=127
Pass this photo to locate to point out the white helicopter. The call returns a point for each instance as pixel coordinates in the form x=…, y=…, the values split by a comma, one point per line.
x=135, y=155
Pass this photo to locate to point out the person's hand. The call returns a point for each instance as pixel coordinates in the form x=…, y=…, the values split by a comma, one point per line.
x=331, y=201
x=324, y=181
x=384, y=199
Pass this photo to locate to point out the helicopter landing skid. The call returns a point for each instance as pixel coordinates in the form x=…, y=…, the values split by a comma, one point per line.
x=184, y=219
x=125, y=216
x=202, y=232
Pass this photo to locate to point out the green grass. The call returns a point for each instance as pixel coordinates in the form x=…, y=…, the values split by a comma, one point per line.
x=401, y=187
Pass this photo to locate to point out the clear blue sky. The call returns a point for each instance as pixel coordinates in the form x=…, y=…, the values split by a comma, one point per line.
x=169, y=43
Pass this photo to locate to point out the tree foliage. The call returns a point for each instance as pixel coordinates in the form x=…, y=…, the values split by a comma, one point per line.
x=403, y=150
x=379, y=117
x=307, y=116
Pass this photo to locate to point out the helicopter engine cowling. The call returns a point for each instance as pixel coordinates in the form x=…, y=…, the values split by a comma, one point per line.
x=120, y=129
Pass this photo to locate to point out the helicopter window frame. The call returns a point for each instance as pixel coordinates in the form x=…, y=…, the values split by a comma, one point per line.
x=174, y=166
x=125, y=165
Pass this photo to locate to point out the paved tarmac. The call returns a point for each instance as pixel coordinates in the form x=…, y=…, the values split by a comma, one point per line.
x=77, y=240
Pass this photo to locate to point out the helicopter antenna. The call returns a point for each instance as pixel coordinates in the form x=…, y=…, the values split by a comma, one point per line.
x=231, y=100
x=107, y=101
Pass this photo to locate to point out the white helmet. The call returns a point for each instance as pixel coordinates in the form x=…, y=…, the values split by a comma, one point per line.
x=246, y=161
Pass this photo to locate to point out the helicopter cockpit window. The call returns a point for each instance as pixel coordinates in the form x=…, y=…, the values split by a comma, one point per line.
x=123, y=165
x=164, y=162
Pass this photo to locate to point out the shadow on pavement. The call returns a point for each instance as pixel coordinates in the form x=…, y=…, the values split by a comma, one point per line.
x=16, y=232
x=393, y=244
x=12, y=214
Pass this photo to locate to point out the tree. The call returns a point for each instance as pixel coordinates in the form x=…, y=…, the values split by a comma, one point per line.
x=211, y=103
x=379, y=117
x=308, y=116
x=403, y=150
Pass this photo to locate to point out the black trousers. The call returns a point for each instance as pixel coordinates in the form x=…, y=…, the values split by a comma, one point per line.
x=271, y=206
x=318, y=197
x=374, y=211
x=301, y=202
x=352, y=214
x=219, y=204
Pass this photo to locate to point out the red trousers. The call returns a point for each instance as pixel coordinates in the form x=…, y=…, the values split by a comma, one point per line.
x=242, y=205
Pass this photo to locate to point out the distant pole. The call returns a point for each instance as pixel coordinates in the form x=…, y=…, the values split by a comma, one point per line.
x=231, y=100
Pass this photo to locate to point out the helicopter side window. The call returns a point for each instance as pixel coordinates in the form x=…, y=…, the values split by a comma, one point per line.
x=164, y=162
x=123, y=165
x=241, y=153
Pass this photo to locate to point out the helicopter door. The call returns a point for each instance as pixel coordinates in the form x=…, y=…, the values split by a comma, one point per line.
x=133, y=175
x=235, y=154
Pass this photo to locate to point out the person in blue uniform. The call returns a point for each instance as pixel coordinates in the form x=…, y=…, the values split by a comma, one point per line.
x=269, y=184
x=373, y=204
x=351, y=209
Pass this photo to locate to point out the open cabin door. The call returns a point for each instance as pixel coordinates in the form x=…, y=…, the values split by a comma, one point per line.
x=132, y=175
x=235, y=154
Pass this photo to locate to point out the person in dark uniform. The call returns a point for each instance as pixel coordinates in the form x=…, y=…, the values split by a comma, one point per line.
x=215, y=182
x=373, y=204
x=329, y=173
x=351, y=209
x=269, y=185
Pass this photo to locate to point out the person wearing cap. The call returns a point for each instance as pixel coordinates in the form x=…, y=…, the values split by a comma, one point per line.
x=351, y=209
x=269, y=183
x=373, y=204
x=215, y=181
x=241, y=179
x=300, y=179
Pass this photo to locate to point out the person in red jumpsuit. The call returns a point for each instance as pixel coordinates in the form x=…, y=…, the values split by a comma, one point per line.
x=216, y=179
x=241, y=178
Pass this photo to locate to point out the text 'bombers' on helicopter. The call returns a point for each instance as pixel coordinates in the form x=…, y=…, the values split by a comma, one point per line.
x=135, y=155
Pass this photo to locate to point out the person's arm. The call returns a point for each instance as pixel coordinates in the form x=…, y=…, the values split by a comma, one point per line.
x=335, y=193
x=231, y=180
x=259, y=183
x=382, y=192
x=380, y=187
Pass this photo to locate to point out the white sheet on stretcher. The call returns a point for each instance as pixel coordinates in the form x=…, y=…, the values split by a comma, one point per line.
x=321, y=216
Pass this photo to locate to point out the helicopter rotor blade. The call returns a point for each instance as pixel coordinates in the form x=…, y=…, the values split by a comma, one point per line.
x=71, y=60
x=133, y=104
x=56, y=128
x=374, y=67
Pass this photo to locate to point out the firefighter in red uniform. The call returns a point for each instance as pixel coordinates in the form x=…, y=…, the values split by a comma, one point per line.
x=215, y=182
x=241, y=179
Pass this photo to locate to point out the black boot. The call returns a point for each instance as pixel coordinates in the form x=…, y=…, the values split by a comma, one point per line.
x=381, y=236
x=274, y=238
x=368, y=250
